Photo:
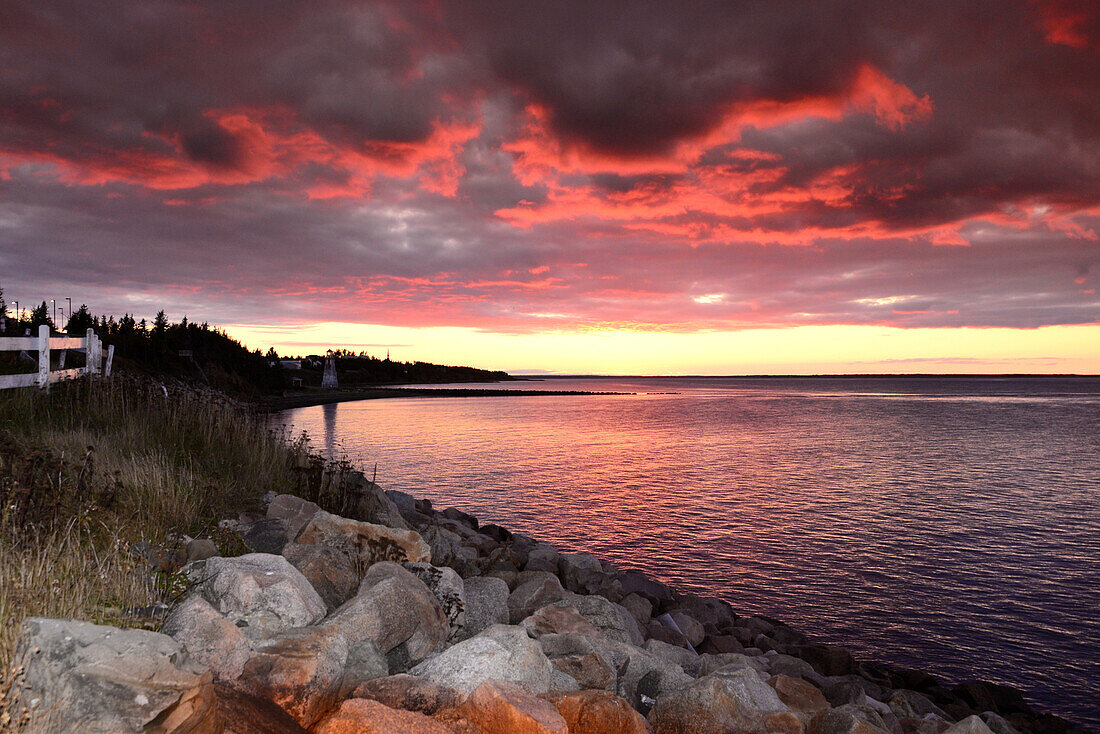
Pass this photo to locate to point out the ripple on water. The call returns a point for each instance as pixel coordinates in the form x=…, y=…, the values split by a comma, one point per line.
x=952, y=525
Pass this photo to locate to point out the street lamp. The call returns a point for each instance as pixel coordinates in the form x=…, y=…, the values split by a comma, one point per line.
x=53, y=301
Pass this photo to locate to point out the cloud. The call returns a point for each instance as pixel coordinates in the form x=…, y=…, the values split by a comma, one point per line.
x=536, y=166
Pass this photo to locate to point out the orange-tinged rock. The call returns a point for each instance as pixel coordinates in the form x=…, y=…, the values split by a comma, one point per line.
x=798, y=694
x=496, y=707
x=597, y=712
x=368, y=542
x=363, y=716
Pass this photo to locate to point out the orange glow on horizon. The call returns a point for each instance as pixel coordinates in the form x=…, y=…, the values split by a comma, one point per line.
x=789, y=350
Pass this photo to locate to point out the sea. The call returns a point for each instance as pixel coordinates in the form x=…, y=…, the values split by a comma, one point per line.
x=950, y=524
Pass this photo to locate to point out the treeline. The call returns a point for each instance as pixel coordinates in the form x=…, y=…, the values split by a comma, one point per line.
x=200, y=351
x=362, y=369
x=185, y=349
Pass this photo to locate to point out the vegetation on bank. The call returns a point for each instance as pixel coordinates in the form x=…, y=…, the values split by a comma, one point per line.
x=92, y=470
x=208, y=355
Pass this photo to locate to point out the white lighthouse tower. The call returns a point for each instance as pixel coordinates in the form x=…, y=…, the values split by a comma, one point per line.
x=328, y=379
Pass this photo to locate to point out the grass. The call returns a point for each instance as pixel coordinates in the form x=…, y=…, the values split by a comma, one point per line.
x=90, y=469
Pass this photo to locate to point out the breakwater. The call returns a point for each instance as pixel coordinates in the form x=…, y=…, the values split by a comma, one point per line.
x=402, y=617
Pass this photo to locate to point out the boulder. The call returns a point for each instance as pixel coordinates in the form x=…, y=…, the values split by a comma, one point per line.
x=262, y=591
x=712, y=663
x=364, y=716
x=295, y=512
x=533, y=595
x=200, y=549
x=799, y=695
x=331, y=572
x=717, y=704
x=264, y=535
x=246, y=713
x=453, y=513
x=613, y=621
x=365, y=663
x=446, y=550
x=542, y=557
x=724, y=643
x=500, y=653
x=685, y=624
x=407, y=692
x=983, y=696
x=83, y=678
x=639, y=606
x=636, y=582
x=970, y=725
x=578, y=657
x=366, y=542
x=796, y=668
x=371, y=504
x=581, y=573
x=486, y=605
x=398, y=612
x=842, y=689
x=301, y=670
x=209, y=637
x=912, y=705
x=997, y=724
x=496, y=707
x=558, y=620
x=642, y=677
x=657, y=630
x=562, y=681
x=597, y=712
x=496, y=532
x=847, y=719
x=686, y=659
x=826, y=659
x=447, y=587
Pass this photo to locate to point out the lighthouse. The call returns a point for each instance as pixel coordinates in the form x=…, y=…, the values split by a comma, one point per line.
x=328, y=379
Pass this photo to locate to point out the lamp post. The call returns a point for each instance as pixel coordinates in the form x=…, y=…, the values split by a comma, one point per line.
x=53, y=302
x=70, y=311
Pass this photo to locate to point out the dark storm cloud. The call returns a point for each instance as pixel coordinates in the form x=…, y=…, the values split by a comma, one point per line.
x=707, y=164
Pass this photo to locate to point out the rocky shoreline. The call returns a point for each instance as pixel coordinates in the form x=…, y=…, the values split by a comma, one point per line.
x=403, y=618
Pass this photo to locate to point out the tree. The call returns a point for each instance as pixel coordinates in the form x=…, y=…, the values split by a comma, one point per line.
x=40, y=316
x=272, y=354
x=80, y=321
x=160, y=323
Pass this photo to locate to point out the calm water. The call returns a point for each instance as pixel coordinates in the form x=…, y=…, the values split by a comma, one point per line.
x=947, y=524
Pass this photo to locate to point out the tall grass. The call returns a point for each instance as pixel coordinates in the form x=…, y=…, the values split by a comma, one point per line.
x=92, y=468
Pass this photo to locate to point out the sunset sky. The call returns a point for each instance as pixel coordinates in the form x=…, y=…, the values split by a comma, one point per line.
x=610, y=187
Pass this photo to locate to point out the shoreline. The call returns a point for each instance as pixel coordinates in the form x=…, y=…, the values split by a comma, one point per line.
x=275, y=404
x=437, y=617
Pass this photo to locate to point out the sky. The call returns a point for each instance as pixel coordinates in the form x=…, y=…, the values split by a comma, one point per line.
x=790, y=186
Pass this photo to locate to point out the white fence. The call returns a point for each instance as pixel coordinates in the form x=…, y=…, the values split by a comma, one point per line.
x=98, y=359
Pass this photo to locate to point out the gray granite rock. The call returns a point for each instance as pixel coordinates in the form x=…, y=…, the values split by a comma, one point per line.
x=82, y=678
x=398, y=612
x=261, y=590
x=500, y=653
x=486, y=605
x=208, y=636
x=295, y=512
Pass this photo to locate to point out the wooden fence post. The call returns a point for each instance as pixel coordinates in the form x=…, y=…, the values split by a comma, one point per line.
x=89, y=351
x=110, y=359
x=44, y=356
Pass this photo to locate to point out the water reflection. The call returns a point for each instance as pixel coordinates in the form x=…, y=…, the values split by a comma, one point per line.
x=960, y=535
